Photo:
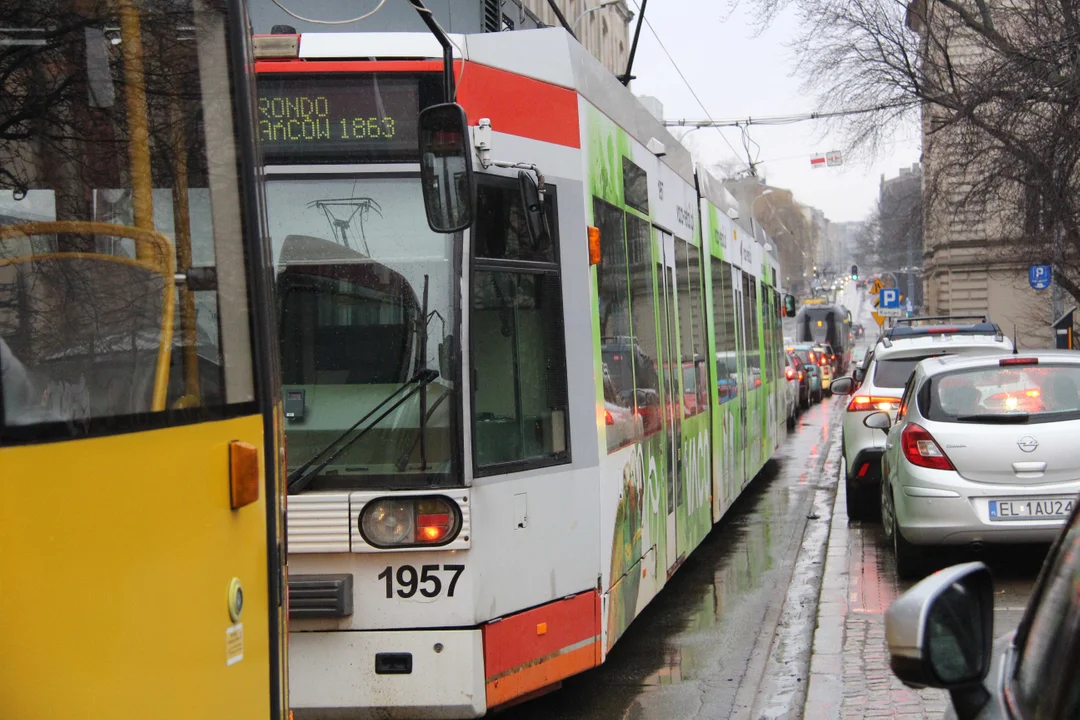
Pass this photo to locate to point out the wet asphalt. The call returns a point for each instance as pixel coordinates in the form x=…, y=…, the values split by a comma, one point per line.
x=702, y=648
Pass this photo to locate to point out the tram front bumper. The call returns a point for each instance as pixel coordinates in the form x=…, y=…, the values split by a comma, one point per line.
x=421, y=674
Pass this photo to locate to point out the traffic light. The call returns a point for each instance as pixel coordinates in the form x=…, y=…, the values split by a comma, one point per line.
x=854, y=272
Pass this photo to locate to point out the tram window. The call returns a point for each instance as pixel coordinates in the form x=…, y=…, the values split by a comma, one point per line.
x=753, y=353
x=643, y=317
x=635, y=186
x=520, y=396
x=500, y=231
x=613, y=305
x=102, y=328
x=692, y=345
x=727, y=369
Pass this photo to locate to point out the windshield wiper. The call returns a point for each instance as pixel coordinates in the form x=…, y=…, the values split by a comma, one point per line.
x=1017, y=418
x=303, y=475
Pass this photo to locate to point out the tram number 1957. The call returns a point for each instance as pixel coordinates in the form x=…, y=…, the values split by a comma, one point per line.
x=427, y=580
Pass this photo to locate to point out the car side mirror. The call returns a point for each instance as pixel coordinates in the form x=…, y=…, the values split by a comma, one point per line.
x=446, y=173
x=940, y=634
x=842, y=386
x=878, y=421
x=532, y=199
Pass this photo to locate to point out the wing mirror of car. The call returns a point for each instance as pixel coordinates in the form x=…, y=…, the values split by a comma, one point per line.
x=940, y=634
x=446, y=173
x=878, y=421
x=843, y=386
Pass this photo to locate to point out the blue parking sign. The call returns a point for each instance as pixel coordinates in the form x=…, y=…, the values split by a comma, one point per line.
x=1039, y=276
x=889, y=299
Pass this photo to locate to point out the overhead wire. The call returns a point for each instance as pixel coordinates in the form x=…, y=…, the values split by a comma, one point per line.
x=748, y=162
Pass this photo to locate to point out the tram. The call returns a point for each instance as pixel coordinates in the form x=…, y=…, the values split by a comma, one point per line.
x=565, y=396
x=140, y=420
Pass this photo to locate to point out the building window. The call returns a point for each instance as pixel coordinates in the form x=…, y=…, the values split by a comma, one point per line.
x=520, y=398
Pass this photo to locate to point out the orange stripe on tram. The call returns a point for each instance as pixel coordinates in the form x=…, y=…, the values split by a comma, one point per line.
x=536, y=648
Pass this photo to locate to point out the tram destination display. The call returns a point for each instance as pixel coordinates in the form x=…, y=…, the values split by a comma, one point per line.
x=334, y=118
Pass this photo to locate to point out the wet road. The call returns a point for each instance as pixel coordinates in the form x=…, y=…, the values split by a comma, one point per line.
x=703, y=646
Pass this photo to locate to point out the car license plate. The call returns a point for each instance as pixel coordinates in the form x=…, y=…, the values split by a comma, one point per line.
x=1058, y=508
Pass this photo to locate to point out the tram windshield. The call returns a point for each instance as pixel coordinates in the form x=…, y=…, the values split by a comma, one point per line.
x=365, y=302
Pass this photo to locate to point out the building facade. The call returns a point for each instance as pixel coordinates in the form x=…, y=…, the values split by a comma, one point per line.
x=602, y=26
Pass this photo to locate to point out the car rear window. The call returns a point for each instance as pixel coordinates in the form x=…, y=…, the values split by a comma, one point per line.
x=1028, y=393
x=895, y=373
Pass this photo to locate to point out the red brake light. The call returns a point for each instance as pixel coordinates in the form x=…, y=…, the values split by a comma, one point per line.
x=608, y=420
x=790, y=373
x=801, y=376
x=1005, y=362
x=864, y=403
x=940, y=330
x=921, y=449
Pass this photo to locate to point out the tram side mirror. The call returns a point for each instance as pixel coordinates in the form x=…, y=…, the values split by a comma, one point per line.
x=789, y=305
x=446, y=168
x=446, y=357
x=535, y=217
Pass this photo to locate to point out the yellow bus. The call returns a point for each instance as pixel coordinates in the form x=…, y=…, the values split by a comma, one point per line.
x=140, y=441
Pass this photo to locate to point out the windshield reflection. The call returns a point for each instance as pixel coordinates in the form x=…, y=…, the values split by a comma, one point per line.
x=364, y=293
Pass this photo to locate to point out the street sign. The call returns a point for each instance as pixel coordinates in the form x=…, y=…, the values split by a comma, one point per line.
x=889, y=299
x=1039, y=276
x=817, y=161
x=890, y=312
x=834, y=158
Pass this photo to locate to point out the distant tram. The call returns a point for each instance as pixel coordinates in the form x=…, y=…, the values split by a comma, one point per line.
x=503, y=441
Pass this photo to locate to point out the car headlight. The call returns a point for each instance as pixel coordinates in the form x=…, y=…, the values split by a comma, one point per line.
x=410, y=521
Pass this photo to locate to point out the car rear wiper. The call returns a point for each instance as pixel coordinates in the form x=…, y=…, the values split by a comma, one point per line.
x=303, y=475
x=1016, y=418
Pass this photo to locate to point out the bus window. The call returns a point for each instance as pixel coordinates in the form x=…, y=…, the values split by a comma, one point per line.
x=122, y=283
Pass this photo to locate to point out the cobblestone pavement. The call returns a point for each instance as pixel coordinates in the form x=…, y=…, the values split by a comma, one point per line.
x=849, y=667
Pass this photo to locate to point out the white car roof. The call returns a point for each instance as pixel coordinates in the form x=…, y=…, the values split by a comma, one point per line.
x=945, y=342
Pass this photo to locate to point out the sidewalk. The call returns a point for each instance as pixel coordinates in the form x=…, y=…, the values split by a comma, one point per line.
x=849, y=665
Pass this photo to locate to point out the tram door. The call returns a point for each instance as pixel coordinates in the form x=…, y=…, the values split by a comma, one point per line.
x=744, y=371
x=672, y=396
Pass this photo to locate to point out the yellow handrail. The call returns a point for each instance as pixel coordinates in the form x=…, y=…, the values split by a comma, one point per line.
x=157, y=256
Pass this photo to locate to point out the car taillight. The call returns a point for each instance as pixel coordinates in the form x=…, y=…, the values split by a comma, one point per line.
x=392, y=522
x=790, y=373
x=608, y=420
x=824, y=361
x=865, y=403
x=921, y=449
x=801, y=376
x=1005, y=362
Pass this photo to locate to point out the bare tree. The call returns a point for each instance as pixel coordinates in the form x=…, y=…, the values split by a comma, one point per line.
x=996, y=86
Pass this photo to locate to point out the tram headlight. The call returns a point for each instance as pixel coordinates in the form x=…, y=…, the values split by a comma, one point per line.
x=410, y=521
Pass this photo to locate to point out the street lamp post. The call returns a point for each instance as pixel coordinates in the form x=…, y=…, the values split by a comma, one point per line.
x=604, y=4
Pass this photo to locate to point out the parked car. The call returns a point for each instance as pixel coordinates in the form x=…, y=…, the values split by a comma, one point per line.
x=809, y=357
x=983, y=451
x=791, y=391
x=805, y=381
x=940, y=635
x=880, y=386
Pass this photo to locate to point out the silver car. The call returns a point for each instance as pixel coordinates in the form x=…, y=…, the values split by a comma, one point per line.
x=889, y=366
x=983, y=450
x=940, y=635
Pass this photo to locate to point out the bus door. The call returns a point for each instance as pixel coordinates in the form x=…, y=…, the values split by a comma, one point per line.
x=140, y=509
x=672, y=395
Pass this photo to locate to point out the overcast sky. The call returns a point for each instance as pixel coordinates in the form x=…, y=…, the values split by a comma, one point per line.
x=738, y=75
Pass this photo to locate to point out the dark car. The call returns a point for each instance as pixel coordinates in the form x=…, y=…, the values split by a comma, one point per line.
x=809, y=360
x=858, y=331
x=940, y=634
